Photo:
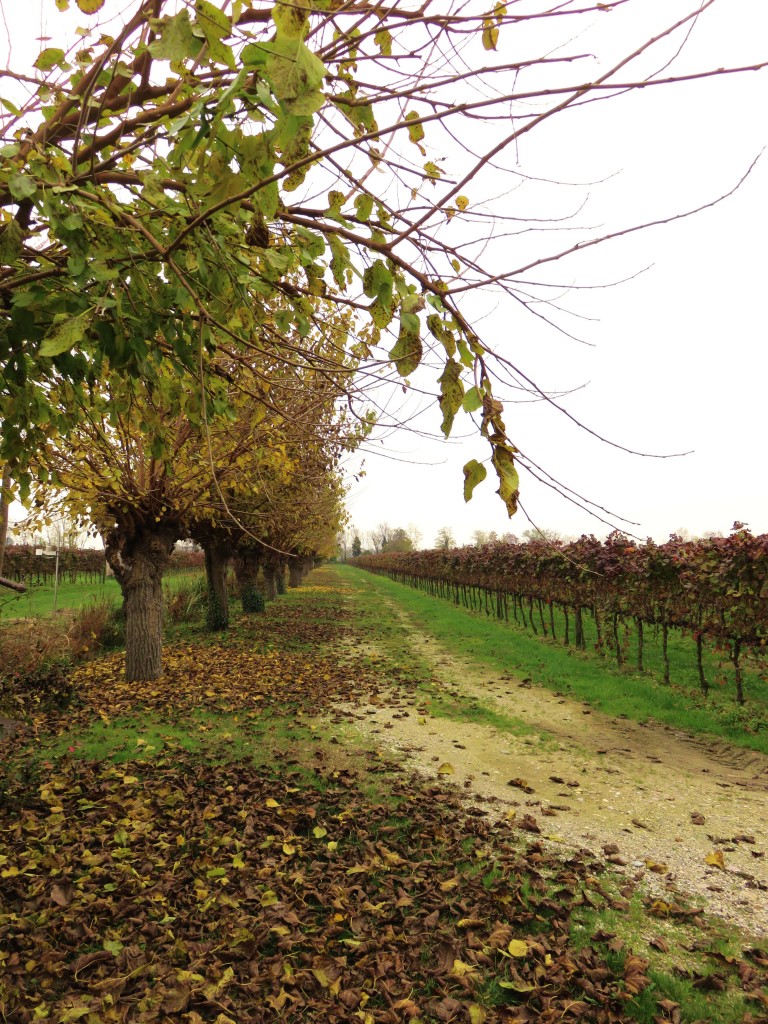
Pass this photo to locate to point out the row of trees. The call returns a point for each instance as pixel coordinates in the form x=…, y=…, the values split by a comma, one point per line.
x=222, y=224
x=714, y=588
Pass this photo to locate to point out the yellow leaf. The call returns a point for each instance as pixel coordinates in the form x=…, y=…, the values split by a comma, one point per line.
x=517, y=947
x=89, y=6
x=269, y=802
x=660, y=869
x=490, y=35
x=446, y=768
x=462, y=202
x=716, y=859
x=477, y=1014
x=460, y=968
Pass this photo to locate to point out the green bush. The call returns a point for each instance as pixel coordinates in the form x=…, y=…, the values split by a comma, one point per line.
x=252, y=599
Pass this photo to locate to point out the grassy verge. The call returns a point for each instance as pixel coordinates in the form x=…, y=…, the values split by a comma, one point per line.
x=487, y=644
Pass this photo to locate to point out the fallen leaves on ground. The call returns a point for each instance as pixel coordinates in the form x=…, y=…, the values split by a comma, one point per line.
x=177, y=890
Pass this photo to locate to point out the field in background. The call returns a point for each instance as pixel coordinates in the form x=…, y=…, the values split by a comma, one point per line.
x=37, y=602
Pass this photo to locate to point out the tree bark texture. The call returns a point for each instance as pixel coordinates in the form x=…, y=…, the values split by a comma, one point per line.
x=298, y=569
x=5, y=483
x=246, y=565
x=270, y=580
x=138, y=561
x=217, y=610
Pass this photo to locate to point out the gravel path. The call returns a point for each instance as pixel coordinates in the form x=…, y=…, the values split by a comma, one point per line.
x=654, y=802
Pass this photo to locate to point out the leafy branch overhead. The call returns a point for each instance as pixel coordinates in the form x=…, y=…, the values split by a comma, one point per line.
x=205, y=174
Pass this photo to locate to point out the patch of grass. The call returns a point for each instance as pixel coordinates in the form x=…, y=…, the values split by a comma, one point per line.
x=485, y=643
x=37, y=602
x=693, y=953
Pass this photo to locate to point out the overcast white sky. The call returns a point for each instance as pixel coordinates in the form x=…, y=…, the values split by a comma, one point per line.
x=677, y=359
x=679, y=362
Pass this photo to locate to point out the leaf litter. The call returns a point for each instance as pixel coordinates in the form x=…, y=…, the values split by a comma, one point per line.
x=177, y=888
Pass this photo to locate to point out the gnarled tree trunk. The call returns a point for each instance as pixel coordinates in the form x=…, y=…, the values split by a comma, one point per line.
x=138, y=561
x=273, y=571
x=246, y=564
x=295, y=572
x=217, y=611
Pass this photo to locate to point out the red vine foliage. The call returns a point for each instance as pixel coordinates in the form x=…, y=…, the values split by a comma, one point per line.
x=716, y=588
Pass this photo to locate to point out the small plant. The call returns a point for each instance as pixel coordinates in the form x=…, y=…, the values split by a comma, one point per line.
x=97, y=625
x=187, y=602
x=252, y=599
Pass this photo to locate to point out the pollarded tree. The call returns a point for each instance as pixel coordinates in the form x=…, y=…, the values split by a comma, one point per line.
x=161, y=183
x=283, y=506
x=140, y=465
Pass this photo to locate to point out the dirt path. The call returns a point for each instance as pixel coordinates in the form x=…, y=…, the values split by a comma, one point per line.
x=655, y=802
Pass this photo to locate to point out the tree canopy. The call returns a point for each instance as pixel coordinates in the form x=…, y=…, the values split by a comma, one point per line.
x=184, y=180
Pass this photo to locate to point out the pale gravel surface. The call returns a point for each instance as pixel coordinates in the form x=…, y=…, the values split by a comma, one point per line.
x=634, y=787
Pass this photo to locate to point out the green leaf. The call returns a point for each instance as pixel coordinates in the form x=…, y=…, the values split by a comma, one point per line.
x=11, y=237
x=474, y=474
x=439, y=329
x=50, y=58
x=472, y=400
x=415, y=131
x=432, y=171
x=177, y=41
x=215, y=26
x=509, y=480
x=22, y=186
x=451, y=394
x=65, y=335
x=291, y=18
x=406, y=353
x=113, y=946
x=363, y=207
x=383, y=40
x=292, y=69
x=227, y=186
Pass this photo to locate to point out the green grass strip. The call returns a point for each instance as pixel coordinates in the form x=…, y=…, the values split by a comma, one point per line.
x=487, y=643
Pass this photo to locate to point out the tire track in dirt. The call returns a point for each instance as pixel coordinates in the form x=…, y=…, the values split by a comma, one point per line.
x=635, y=791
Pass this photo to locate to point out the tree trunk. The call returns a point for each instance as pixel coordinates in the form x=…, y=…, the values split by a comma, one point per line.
x=578, y=628
x=295, y=572
x=217, y=610
x=5, y=483
x=246, y=565
x=703, y=684
x=735, y=654
x=639, y=624
x=138, y=563
x=270, y=581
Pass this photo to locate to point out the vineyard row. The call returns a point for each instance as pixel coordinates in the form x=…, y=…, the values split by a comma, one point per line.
x=715, y=589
